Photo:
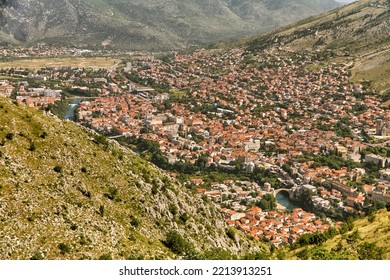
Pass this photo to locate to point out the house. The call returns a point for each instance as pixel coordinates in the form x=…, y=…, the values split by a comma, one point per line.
x=197, y=181
x=377, y=160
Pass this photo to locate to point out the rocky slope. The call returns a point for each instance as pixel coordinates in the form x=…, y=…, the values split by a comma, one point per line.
x=67, y=193
x=146, y=24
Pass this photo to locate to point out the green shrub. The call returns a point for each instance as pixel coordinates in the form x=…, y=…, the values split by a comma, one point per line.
x=9, y=136
x=370, y=251
x=112, y=193
x=178, y=244
x=184, y=217
x=131, y=237
x=84, y=240
x=105, y=257
x=134, y=222
x=38, y=256
x=231, y=234
x=64, y=248
x=32, y=147
x=84, y=192
x=154, y=189
x=58, y=169
x=173, y=209
x=218, y=254
x=100, y=139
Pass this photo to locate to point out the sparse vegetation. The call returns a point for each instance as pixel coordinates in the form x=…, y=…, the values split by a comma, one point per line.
x=72, y=183
x=355, y=240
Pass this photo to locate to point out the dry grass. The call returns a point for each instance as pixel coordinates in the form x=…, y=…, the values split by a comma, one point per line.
x=375, y=68
x=376, y=231
x=7, y=78
x=38, y=63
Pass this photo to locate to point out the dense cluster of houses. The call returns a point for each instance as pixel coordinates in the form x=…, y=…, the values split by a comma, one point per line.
x=234, y=112
x=240, y=110
x=236, y=199
x=275, y=227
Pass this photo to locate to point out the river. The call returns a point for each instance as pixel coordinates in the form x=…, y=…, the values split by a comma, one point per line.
x=282, y=198
x=71, y=109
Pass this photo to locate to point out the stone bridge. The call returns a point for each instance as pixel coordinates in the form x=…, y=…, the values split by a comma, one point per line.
x=280, y=206
x=81, y=97
x=280, y=190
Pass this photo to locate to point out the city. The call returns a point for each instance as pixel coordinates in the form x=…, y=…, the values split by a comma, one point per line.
x=239, y=112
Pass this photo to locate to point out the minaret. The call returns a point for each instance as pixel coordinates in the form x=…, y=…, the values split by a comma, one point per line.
x=379, y=125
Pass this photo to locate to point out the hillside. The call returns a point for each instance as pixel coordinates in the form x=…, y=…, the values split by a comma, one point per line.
x=146, y=24
x=357, y=34
x=369, y=239
x=66, y=193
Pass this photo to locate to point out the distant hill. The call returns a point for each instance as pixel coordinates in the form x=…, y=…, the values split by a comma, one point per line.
x=68, y=193
x=146, y=24
x=358, y=34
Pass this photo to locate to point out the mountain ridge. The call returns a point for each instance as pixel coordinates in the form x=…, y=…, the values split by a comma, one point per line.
x=146, y=24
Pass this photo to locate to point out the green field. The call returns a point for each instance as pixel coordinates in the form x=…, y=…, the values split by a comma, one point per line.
x=8, y=78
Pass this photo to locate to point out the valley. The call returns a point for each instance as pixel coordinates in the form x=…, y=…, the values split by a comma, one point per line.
x=213, y=136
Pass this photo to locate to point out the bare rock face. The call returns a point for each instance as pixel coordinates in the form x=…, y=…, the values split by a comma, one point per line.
x=146, y=24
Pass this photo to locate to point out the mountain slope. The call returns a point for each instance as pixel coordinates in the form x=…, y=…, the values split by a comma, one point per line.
x=363, y=24
x=358, y=34
x=146, y=24
x=67, y=193
x=368, y=240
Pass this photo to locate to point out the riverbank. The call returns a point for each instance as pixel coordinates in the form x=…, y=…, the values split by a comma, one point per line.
x=71, y=109
x=285, y=203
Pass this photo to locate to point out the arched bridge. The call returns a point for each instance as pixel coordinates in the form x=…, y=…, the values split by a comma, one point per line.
x=81, y=97
x=280, y=190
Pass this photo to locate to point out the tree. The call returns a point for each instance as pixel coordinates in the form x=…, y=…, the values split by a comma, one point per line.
x=370, y=251
x=267, y=202
x=178, y=244
x=202, y=162
x=160, y=160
